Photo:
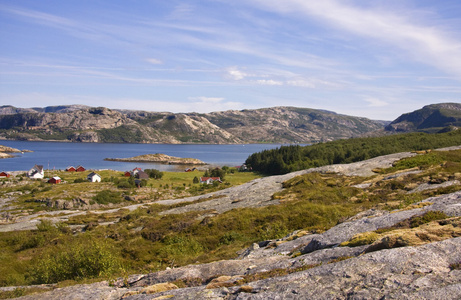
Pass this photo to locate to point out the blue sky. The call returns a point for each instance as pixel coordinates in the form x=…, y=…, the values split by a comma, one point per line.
x=375, y=59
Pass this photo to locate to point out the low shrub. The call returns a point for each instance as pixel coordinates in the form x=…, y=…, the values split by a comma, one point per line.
x=361, y=239
x=229, y=238
x=77, y=260
x=427, y=217
x=107, y=196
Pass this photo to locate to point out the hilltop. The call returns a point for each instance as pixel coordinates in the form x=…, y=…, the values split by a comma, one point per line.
x=430, y=118
x=266, y=125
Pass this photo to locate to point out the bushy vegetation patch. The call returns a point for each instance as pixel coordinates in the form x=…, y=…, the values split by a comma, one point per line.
x=124, y=133
x=108, y=196
x=361, y=239
x=74, y=261
x=426, y=218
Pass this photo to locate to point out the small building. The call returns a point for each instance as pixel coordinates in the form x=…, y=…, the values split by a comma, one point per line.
x=135, y=171
x=210, y=180
x=127, y=174
x=70, y=169
x=36, y=172
x=4, y=175
x=141, y=175
x=94, y=177
x=190, y=170
x=80, y=169
x=55, y=180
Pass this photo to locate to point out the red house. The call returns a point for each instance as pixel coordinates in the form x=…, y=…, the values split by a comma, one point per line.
x=4, y=175
x=127, y=174
x=80, y=169
x=55, y=180
x=70, y=169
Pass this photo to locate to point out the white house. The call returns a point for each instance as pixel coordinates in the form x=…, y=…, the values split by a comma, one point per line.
x=36, y=172
x=93, y=177
x=210, y=180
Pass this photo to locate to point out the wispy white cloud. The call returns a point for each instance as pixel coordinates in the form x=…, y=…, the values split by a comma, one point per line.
x=269, y=82
x=154, y=61
x=423, y=41
x=206, y=100
x=375, y=102
x=235, y=74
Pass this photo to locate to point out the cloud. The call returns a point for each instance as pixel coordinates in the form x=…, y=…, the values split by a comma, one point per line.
x=154, y=61
x=235, y=74
x=206, y=100
x=425, y=41
x=269, y=82
x=375, y=102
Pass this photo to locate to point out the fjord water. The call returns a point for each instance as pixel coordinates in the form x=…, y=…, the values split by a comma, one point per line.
x=60, y=155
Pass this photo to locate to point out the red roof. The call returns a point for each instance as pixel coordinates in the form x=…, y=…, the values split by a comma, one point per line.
x=4, y=174
x=80, y=169
x=55, y=180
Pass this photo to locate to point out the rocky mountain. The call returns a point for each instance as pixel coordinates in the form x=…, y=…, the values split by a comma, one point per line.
x=79, y=123
x=430, y=118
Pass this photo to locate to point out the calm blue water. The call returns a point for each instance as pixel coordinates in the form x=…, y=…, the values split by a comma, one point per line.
x=58, y=155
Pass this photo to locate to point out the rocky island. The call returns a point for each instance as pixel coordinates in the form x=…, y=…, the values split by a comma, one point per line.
x=160, y=158
x=5, y=151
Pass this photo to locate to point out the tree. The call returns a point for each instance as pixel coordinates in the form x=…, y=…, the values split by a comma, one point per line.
x=154, y=173
x=217, y=172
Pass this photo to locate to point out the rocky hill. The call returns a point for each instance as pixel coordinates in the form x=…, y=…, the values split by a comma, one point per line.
x=430, y=118
x=409, y=253
x=269, y=125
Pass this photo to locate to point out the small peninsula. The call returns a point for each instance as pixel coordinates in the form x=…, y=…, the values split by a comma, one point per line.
x=160, y=158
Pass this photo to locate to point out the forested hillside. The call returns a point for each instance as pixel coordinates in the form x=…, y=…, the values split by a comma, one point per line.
x=293, y=158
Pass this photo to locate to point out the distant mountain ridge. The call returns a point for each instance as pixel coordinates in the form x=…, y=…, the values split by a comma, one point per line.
x=430, y=118
x=79, y=123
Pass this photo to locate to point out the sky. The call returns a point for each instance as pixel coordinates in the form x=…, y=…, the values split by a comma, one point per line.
x=375, y=59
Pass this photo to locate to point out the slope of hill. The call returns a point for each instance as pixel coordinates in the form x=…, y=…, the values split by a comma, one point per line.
x=403, y=244
x=269, y=125
x=430, y=118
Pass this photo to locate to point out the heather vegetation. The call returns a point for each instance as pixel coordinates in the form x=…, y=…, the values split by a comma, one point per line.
x=293, y=158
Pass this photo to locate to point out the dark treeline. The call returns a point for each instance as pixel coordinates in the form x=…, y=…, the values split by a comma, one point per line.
x=293, y=158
